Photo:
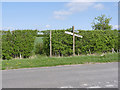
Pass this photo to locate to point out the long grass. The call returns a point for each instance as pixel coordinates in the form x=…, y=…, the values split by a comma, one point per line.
x=44, y=61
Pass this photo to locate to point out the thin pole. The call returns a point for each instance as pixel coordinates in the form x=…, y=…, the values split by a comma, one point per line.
x=50, y=44
x=73, y=41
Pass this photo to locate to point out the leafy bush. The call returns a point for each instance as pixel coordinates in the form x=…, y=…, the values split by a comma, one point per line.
x=18, y=43
x=92, y=42
x=21, y=43
x=39, y=48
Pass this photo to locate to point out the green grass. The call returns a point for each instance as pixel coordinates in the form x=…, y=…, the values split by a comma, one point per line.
x=43, y=61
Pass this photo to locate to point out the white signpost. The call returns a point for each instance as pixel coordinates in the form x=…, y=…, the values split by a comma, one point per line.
x=70, y=33
x=74, y=34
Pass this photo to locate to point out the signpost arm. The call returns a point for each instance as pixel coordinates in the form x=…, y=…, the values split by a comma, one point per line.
x=50, y=44
x=73, y=41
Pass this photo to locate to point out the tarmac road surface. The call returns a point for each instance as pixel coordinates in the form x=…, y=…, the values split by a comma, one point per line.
x=104, y=75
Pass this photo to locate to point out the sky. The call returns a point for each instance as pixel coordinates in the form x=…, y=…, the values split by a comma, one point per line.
x=56, y=15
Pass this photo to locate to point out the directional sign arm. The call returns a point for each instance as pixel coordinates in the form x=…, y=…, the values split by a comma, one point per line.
x=74, y=34
x=78, y=36
x=68, y=33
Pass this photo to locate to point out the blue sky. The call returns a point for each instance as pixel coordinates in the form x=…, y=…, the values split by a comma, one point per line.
x=56, y=15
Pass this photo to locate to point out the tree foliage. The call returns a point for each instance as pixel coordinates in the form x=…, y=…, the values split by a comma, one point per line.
x=18, y=43
x=92, y=42
x=101, y=23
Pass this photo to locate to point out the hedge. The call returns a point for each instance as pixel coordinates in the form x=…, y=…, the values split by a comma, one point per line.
x=93, y=41
x=18, y=43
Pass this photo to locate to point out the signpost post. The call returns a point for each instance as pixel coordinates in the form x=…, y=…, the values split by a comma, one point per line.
x=73, y=38
x=73, y=41
x=50, y=44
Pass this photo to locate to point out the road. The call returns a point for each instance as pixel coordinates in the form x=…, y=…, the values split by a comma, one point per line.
x=103, y=75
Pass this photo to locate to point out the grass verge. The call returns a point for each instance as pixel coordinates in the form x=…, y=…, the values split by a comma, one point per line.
x=43, y=61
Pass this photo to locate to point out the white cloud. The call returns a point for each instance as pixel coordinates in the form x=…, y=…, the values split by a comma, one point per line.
x=62, y=12
x=72, y=7
x=76, y=6
x=99, y=6
x=59, y=17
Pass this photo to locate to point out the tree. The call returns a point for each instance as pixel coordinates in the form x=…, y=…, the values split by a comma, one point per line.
x=102, y=23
